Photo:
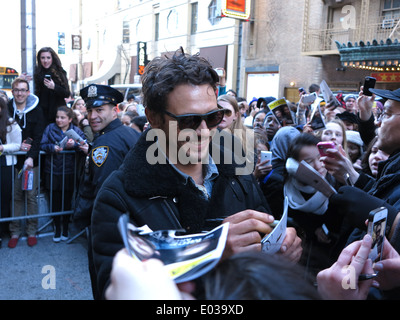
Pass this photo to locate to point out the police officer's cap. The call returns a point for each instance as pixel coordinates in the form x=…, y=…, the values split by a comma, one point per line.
x=96, y=95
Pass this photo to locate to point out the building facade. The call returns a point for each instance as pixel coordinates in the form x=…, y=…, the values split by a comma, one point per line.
x=284, y=45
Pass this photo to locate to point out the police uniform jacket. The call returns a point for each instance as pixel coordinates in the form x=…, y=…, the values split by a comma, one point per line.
x=157, y=195
x=106, y=154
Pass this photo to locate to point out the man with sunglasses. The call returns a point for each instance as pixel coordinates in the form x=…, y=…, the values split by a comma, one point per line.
x=177, y=176
x=111, y=143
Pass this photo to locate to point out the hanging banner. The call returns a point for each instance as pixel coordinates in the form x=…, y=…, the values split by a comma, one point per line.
x=237, y=9
x=142, y=57
x=76, y=42
x=61, y=43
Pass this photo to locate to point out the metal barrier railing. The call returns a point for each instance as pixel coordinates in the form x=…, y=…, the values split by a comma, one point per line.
x=44, y=198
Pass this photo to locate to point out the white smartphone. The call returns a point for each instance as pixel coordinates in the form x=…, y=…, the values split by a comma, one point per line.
x=266, y=155
x=219, y=72
x=309, y=98
x=376, y=229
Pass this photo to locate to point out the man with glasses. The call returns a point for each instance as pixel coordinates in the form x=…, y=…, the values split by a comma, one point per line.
x=177, y=176
x=367, y=193
x=23, y=107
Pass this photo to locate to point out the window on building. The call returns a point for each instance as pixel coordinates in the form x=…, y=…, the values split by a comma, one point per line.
x=172, y=21
x=391, y=9
x=193, y=27
x=157, y=26
x=214, y=12
x=126, y=32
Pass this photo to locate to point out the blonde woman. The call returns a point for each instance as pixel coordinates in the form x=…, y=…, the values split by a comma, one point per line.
x=233, y=122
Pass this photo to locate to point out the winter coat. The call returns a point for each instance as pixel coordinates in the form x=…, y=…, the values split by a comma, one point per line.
x=31, y=121
x=62, y=164
x=12, y=144
x=157, y=195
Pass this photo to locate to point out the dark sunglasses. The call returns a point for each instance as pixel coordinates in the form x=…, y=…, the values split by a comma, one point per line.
x=193, y=121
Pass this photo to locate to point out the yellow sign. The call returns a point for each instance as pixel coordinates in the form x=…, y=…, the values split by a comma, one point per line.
x=238, y=9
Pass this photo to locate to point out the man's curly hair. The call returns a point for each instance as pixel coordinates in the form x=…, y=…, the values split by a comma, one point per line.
x=163, y=74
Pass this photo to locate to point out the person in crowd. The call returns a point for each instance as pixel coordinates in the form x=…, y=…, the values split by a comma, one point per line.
x=4, y=95
x=243, y=276
x=138, y=123
x=233, y=123
x=112, y=142
x=188, y=191
x=309, y=208
x=25, y=110
x=351, y=103
x=232, y=93
x=350, y=120
x=273, y=187
x=372, y=157
x=368, y=193
x=263, y=167
x=335, y=131
x=259, y=117
x=80, y=120
x=377, y=109
x=271, y=126
x=60, y=169
x=10, y=142
x=230, y=115
x=127, y=117
x=79, y=104
x=253, y=109
x=355, y=148
x=243, y=107
x=132, y=107
x=51, y=83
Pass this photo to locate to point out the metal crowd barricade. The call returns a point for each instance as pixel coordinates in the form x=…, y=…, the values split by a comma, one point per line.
x=44, y=198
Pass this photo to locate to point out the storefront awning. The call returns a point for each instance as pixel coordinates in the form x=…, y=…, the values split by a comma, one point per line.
x=110, y=67
x=376, y=56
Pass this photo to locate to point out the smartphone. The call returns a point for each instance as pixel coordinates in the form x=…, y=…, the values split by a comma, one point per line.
x=28, y=141
x=323, y=146
x=376, y=229
x=219, y=72
x=47, y=76
x=369, y=83
x=266, y=155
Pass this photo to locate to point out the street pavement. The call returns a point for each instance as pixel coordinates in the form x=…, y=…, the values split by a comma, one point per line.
x=47, y=271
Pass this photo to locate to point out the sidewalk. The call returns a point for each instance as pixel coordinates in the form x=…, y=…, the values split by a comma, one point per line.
x=47, y=271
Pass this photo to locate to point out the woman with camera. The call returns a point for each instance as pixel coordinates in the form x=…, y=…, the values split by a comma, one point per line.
x=51, y=83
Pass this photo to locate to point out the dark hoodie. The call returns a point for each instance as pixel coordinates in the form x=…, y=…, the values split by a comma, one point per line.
x=32, y=123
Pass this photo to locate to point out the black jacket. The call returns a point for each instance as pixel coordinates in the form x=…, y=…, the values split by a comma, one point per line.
x=32, y=123
x=385, y=187
x=49, y=99
x=157, y=195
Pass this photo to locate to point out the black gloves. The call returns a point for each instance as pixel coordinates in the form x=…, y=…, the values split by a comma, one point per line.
x=356, y=205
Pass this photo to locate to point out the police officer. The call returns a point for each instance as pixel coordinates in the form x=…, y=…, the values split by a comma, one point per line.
x=111, y=143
